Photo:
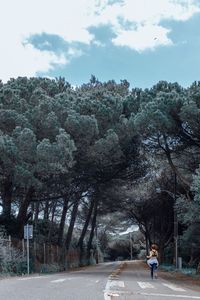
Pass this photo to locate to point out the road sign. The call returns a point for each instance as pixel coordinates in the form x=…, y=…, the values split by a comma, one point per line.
x=28, y=231
x=28, y=234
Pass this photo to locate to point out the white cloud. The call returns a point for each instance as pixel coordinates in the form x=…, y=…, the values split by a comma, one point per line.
x=21, y=18
x=145, y=17
x=17, y=59
x=71, y=19
x=144, y=37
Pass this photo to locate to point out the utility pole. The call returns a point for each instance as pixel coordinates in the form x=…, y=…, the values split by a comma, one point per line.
x=131, y=248
x=97, y=245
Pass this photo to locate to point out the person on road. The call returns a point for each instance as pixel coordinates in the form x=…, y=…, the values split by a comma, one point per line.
x=152, y=260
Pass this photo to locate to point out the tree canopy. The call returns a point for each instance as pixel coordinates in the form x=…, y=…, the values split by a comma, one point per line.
x=69, y=155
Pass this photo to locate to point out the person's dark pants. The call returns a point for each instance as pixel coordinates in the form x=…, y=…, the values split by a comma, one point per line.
x=153, y=269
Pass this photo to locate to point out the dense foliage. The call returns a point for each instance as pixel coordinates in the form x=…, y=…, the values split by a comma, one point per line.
x=69, y=156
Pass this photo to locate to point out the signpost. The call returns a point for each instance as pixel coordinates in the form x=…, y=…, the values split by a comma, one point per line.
x=28, y=234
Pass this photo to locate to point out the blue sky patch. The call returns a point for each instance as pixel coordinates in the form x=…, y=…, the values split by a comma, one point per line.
x=138, y=40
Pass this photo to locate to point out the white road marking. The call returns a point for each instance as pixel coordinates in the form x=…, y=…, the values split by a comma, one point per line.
x=174, y=287
x=145, y=285
x=112, y=294
x=170, y=295
x=34, y=277
x=108, y=293
x=58, y=280
x=113, y=276
x=116, y=283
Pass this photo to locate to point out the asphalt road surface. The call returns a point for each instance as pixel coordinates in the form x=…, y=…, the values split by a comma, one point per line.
x=107, y=281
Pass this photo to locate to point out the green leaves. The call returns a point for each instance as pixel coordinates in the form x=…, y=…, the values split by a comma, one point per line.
x=9, y=119
x=160, y=115
x=8, y=155
x=106, y=151
x=55, y=158
x=83, y=128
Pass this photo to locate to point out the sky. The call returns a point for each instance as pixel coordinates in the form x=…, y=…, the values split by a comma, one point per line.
x=142, y=41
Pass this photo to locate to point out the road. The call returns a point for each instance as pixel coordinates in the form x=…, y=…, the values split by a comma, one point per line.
x=107, y=281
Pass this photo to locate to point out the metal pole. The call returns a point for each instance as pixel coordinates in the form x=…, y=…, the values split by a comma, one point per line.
x=44, y=253
x=23, y=248
x=97, y=246
x=9, y=246
x=131, y=249
x=27, y=246
x=57, y=255
x=175, y=226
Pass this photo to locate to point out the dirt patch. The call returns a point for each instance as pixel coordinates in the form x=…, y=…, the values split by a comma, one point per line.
x=181, y=279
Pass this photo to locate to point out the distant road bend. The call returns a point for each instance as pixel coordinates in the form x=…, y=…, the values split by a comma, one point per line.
x=106, y=281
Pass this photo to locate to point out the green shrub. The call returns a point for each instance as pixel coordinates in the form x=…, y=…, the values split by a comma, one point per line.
x=50, y=268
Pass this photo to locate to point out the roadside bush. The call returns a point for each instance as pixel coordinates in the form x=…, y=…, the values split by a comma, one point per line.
x=50, y=268
x=11, y=259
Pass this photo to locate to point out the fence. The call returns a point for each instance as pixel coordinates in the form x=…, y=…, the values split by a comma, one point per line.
x=44, y=257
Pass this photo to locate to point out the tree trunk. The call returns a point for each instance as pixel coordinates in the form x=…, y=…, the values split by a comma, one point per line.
x=52, y=221
x=7, y=199
x=161, y=252
x=167, y=151
x=22, y=215
x=37, y=209
x=46, y=211
x=62, y=222
x=89, y=246
x=198, y=269
x=147, y=244
x=53, y=211
x=71, y=225
x=83, y=233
